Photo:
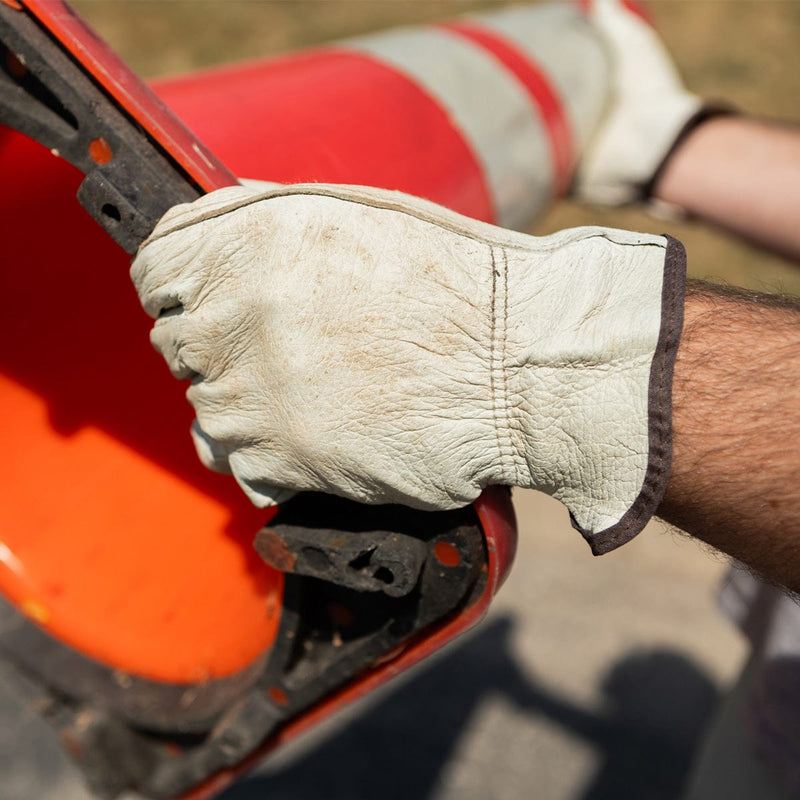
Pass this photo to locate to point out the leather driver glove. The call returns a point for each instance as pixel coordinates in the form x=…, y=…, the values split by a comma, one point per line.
x=648, y=110
x=376, y=346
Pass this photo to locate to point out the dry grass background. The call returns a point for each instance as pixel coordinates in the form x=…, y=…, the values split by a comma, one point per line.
x=577, y=621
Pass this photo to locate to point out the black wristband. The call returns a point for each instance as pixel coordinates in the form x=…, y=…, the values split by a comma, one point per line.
x=707, y=112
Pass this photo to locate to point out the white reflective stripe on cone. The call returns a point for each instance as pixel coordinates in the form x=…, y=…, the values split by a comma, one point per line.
x=569, y=50
x=487, y=104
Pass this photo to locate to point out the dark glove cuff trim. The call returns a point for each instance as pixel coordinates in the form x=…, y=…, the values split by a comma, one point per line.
x=659, y=409
x=707, y=111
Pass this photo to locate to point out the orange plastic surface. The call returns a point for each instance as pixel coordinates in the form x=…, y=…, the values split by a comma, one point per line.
x=113, y=537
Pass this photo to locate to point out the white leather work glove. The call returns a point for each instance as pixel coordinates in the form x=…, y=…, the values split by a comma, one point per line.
x=648, y=111
x=372, y=345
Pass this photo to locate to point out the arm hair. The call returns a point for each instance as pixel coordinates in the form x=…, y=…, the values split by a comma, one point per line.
x=735, y=480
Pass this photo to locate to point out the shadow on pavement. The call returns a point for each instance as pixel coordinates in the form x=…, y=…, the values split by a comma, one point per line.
x=656, y=706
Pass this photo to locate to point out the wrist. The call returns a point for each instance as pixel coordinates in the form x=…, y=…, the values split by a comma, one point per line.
x=689, y=148
x=734, y=479
x=648, y=108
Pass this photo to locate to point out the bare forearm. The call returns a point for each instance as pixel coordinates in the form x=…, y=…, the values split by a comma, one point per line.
x=742, y=175
x=736, y=459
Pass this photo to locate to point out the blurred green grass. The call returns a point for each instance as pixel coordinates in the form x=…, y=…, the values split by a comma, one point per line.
x=742, y=51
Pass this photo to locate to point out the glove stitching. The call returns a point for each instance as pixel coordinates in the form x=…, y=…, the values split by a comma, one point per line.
x=499, y=383
x=490, y=234
x=507, y=406
x=492, y=347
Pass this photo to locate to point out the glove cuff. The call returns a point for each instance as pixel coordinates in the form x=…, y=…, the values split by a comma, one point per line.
x=708, y=111
x=627, y=152
x=662, y=369
x=590, y=341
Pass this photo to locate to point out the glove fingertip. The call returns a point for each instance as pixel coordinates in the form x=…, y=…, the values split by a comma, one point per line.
x=264, y=495
x=212, y=453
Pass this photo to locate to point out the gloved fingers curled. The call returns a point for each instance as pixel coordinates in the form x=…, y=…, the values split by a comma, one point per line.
x=168, y=338
x=166, y=278
x=206, y=342
x=163, y=280
x=220, y=410
x=259, y=490
x=212, y=453
x=215, y=456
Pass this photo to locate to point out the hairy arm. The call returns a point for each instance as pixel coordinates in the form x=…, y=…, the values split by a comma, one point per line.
x=736, y=395
x=736, y=461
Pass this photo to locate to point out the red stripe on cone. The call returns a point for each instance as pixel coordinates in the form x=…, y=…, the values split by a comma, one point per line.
x=336, y=117
x=539, y=89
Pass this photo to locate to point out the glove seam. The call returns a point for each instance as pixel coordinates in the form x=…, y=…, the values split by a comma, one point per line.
x=498, y=376
x=513, y=451
x=350, y=194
